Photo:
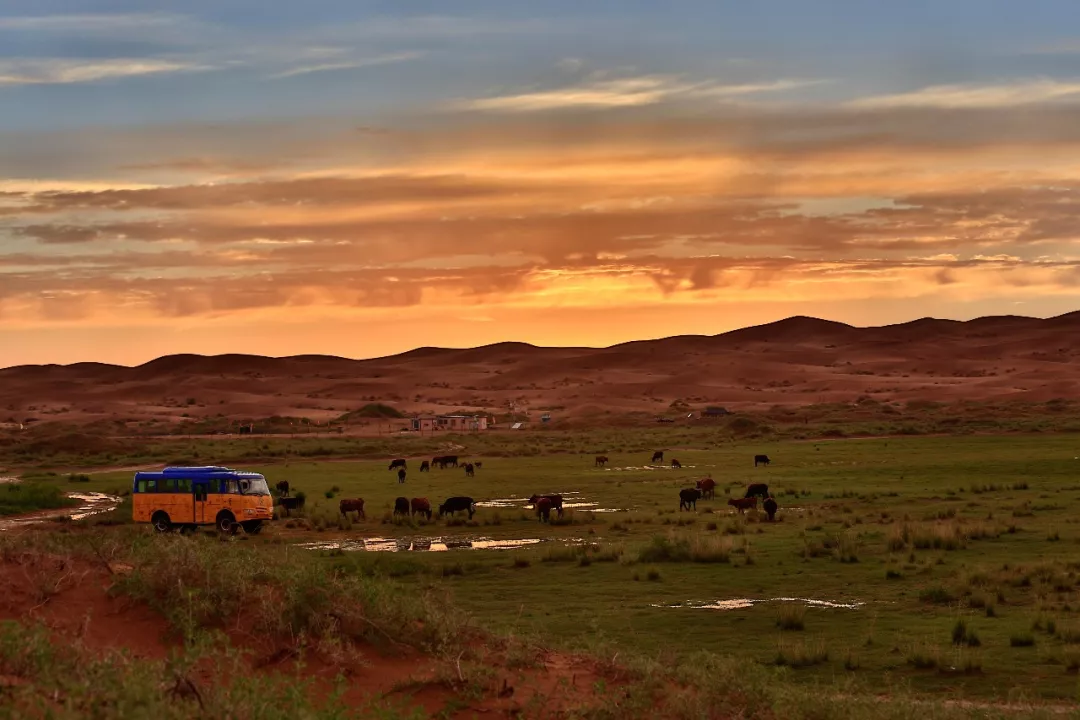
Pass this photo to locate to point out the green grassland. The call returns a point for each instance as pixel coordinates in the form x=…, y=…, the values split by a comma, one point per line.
x=961, y=554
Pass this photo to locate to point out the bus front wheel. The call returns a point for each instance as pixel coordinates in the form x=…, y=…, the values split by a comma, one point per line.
x=226, y=523
x=161, y=522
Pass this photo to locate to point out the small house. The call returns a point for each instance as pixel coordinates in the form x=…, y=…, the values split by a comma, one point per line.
x=715, y=412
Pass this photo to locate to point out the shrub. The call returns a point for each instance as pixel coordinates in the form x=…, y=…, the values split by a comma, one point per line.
x=791, y=616
x=1022, y=640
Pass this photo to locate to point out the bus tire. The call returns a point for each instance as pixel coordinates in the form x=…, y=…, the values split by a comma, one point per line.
x=252, y=527
x=226, y=523
x=161, y=521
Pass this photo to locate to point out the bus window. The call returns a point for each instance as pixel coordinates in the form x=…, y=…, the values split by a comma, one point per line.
x=183, y=485
x=151, y=486
x=231, y=487
x=143, y=485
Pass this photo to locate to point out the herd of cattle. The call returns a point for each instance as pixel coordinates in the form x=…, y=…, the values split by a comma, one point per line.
x=543, y=504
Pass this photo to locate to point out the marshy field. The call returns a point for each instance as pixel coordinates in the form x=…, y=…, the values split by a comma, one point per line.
x=900, y=574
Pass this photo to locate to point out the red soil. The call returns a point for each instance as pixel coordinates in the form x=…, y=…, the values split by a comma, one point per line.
x=793, y=362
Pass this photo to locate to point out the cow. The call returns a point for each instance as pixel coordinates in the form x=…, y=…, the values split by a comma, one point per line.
x=425, y=466
x=543, y=509
x=707, y=486
x=762, y=459
x=688, y=498
x=556, y=501
x=401, y=475
x=469, y=470
x=401, y=506
x=658, y=456
x=757, y=489
x=478, y=464
x=421, y=506
x=675, y=464
x=454, y=504
x=601, y=460
x=348, y=505
x=292, y=503
x=399, y=463
x=741, y=504
x=444, y=460
x=283, y=487
x=770, y=508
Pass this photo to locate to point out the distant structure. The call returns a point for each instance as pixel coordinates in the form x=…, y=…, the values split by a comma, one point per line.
x=545, y=418
x=715, y=412
x=464, y=423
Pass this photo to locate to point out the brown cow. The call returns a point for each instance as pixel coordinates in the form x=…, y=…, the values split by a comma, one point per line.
x=556, y=501
x=741, y=504
x=675, y=463
x=543, y=509
x=421, y=506
x=707, y=486
x=401, y=506
x=770, y=508
x=601, y=460
x=348, y=505
x=401, y=475
x=425, y=466
x=658, y=456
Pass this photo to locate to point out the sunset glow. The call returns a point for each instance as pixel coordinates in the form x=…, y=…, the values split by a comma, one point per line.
x=360, y=179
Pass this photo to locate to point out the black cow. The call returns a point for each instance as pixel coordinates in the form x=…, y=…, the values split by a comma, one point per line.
x=556, y=501
x=401, y=506
x=469, y=470
x=770, y=508
x=443, y=460
x=399, y=463
x=457, y=503
x=688, y=498
x=479, y=464
x=658, y=456
x=292, y=503
x=401, y=475
x=283, y=487
x=425, y=466
x=601, y=460
x=757, y=489
x=675, y=464
x=761, y=459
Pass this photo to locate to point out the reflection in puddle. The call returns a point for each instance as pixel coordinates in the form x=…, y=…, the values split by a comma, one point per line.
x=742, y=603
x=432, y=544
x=522, y=503
x=91, y=503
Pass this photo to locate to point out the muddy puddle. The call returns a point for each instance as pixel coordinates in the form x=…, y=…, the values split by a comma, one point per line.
x=743, y=603
x=650, y=467
x=572, y=500
x=430, y=544
x=90, y=503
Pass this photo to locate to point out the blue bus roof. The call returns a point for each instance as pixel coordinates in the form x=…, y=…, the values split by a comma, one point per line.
x=210, y=472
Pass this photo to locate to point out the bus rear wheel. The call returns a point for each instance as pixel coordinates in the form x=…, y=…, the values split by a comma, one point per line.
x=161, y=522
x=252, y=527
x=226, y=523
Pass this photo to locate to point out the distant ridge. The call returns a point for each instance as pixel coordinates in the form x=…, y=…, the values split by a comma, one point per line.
x=795, y=361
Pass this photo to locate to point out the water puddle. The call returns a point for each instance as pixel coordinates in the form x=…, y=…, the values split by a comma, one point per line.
x=649, y=467
x=8, y=480
x=743, y=603
x=522, y=503
x=91, y=503
x=431, y=544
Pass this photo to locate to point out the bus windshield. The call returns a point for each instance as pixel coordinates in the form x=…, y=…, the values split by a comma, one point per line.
x=254, y=487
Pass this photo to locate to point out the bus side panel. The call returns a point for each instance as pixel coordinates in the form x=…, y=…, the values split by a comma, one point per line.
x=177, y=506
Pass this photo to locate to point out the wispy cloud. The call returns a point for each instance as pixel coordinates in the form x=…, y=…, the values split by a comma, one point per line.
x=625, y=92
x=958, y=96
x=88, y=23
x=349, y=64
x=57, y=71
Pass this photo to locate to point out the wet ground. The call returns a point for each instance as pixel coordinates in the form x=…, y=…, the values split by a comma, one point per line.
x=427, y=544
x=743, y=603
x=571, y=501
x=90, y=503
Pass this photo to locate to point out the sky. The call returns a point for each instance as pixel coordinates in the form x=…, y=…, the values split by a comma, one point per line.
x=361, y=177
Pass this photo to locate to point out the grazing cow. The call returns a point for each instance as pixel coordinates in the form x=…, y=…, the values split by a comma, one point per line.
x=421, y=506
x=445, y=460
x=688, y=498
x=478, y=464
x=352, y=505
x=757, y=489
x=658, y=456
x=675, y=464
x=762, y=459
x=399, y=463
x=401, y=475
x=401, y=506
x=556, y=501
x=707, y=486
x=469, y=471
x=454, y=504
x=283, y=487
x=292, y=503
x=437, y=461
x=425, y=466
x=741, y=504
x=543, y=509
x=601, y=460
x=770, y=508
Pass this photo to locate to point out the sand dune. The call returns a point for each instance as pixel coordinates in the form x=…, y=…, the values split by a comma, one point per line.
x=792, y=362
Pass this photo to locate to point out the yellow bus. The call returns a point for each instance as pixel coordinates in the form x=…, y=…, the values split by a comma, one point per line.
x=186, y=497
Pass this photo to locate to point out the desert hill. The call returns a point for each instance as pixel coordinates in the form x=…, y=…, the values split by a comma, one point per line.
x=796, y=361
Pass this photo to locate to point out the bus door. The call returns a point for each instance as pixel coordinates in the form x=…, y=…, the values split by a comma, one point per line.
x=200, y=488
